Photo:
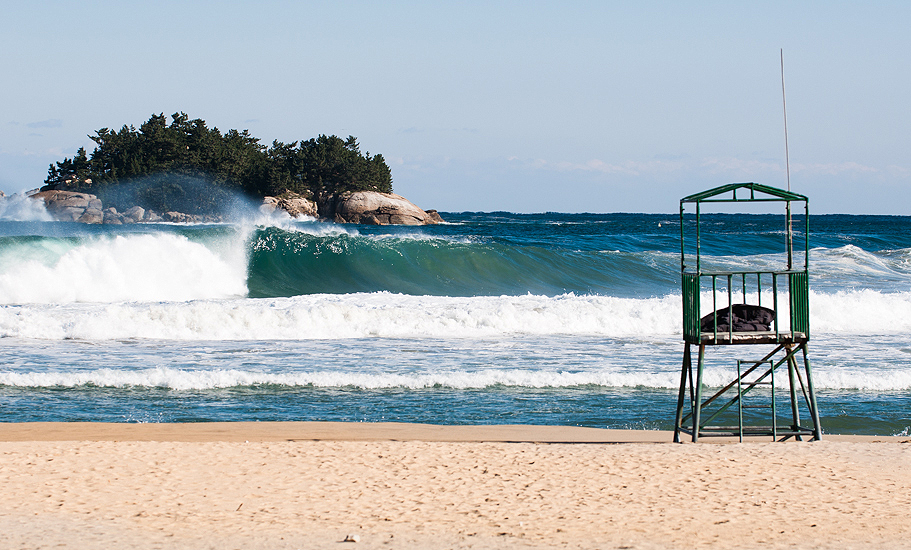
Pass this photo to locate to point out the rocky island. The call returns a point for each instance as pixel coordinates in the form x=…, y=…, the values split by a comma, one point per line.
x=187, y=172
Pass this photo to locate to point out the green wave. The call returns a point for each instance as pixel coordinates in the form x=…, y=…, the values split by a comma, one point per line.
x=290, y=263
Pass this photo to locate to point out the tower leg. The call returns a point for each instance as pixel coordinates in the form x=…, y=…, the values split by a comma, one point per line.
x=792, y=381
x=814, y=411
x=697, y=402
x=681, y=395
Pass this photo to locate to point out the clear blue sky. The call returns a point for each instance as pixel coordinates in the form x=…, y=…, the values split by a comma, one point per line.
x=520, y=106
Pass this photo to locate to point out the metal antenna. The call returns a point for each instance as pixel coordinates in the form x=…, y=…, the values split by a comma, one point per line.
x=787, y=164
x=784, y=105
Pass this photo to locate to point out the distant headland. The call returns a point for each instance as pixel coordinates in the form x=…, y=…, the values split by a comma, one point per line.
x=187, y=172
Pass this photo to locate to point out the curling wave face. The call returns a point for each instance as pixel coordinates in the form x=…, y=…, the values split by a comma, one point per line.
x=64, y=263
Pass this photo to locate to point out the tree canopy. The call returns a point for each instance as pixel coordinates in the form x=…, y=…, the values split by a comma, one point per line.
x=187, y=166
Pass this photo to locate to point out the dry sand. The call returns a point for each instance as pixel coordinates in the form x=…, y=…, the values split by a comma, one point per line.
x=309, y=485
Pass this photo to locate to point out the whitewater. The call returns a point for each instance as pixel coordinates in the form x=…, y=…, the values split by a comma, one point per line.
x=490, y=318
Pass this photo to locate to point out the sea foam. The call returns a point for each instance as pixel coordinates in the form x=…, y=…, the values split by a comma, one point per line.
x=329, y=316
x=386, y=315
x=606, y=377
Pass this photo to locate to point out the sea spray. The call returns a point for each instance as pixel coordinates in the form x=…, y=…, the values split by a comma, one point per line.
x=136, y=267
x=20, y=207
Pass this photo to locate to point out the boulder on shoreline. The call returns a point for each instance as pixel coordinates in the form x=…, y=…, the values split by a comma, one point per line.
x=292, y=203
x=364, y=207
x=71, y=206
x=373, y=208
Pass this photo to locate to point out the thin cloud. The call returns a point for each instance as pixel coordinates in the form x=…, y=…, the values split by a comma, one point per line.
x=748, y=166
x=424, y=130
x=740, y=166
x=52, y=152
x=835, y=169
x=49, y=123
x=630, y=167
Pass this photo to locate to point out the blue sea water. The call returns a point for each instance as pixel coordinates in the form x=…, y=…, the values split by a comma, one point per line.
x=491, y=318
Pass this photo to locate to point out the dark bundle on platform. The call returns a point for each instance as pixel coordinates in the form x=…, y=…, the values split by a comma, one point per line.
x=743, y=317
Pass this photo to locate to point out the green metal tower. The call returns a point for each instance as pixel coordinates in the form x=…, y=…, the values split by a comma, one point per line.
x=734, y=293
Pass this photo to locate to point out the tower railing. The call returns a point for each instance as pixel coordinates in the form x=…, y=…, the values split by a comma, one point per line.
x=728, y=288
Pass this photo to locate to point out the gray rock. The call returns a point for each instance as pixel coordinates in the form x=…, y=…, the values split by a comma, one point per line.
x=364, y=207
x=294, y=204
x=135, y=214
x=376, y=208
x=112, y=218
x=67, y=206
x=68, y=213
x=180, y=217
x=269, y=205
x=91, y=215
x=75, y=201
x=299, y=206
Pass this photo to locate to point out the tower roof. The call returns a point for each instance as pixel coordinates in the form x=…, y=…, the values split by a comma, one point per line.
x=756, y=192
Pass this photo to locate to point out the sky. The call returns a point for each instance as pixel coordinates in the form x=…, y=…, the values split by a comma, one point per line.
x=491, y=106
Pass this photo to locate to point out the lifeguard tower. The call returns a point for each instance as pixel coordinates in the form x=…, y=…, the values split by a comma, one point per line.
x=763, y=306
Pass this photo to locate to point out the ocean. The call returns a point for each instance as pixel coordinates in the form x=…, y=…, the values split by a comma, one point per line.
x=491, y=318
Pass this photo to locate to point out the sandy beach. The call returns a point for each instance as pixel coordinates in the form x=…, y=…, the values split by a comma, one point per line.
x=311, y=485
